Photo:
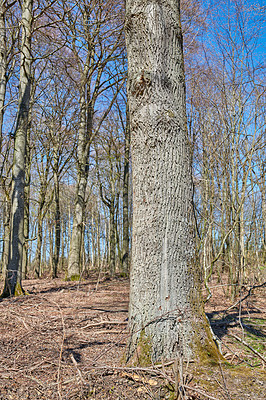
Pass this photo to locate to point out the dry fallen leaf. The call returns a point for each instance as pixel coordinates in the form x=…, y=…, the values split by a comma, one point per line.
x=152, y=382
x=137, y=378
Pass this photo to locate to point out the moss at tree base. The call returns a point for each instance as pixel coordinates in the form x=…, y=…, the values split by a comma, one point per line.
x=200, y=342
x=73, y=278
x=123, y=274
x=205, y=349
x=19, y=291
x=142, y=356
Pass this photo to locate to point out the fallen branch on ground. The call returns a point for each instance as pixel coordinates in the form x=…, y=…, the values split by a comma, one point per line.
x=157, y=372
x=248, y=345
x=247, y=295
x=102, y=323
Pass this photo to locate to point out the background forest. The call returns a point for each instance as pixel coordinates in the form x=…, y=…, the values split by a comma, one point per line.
x=77, y=208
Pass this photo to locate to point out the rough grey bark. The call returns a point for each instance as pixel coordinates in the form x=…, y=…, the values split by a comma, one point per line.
x=165, y=300
x=13, y=273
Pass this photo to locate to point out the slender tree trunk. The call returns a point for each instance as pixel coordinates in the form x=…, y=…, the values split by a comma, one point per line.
x=125, y=256
x=74, y=262
x=98, y=239
x=118, y=258
x=25, y=251
x=6, y=235
x=106, y=241
x=51, y=241
x=88, y=242
x=26, y=204
x=63, y=245
x=166, y=313
x=93, y=251
x=83, y=250
x=3, y=83
x=38, y=254
x=263, y=205
x=57, y=217
x=112, y=236
x=69, y=229
x=43, y=252
x=13, y=274
x=3, y=66
x=40, y=218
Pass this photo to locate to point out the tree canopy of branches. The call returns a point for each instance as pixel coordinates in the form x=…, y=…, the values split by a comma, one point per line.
x=65, y=163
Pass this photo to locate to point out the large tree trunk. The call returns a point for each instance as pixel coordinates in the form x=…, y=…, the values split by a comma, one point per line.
x=13, y=274
x=166, y=313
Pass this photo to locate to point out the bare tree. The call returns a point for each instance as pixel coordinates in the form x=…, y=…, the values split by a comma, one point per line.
x=228, y=126
x=166, y=313
x=13, y=273
x=102, y=40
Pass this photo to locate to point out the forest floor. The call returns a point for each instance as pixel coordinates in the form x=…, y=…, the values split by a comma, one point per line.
x=67, y=340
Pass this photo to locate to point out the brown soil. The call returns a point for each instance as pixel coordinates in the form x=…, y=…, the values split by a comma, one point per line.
x=67, y=340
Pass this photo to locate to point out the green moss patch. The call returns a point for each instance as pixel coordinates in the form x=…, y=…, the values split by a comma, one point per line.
x=205, y=348
x=74, y=278
x=143, y=356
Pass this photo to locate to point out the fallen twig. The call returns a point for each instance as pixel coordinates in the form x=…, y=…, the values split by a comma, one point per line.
x=82, y=380
x=224, y=382
x=171, y=362
x=247, y=295
x=154, y=371
x=200, y=392
x=250, y=347
x=109, y=331
x=59, y=384
x=104, y=323
x=36, y=380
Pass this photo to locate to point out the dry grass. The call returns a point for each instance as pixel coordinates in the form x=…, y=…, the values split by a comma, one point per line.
x=66, y=340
